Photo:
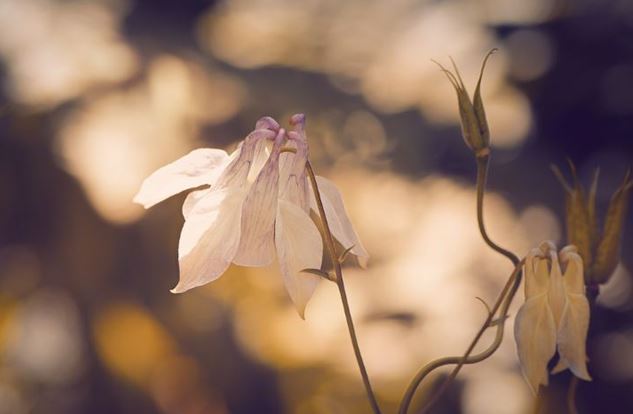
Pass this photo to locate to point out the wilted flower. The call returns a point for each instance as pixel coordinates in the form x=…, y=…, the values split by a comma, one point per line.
x=555, y=315
x=473, y=116
x=256, y=207
x=600, y=251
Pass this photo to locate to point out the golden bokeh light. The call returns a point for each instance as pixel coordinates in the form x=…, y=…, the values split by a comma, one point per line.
x=58, y=50
x=112, y=142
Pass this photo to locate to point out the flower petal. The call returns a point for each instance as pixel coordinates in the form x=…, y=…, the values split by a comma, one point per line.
x=199, y=167
x=209, y=238
x=338, y=220
x=536, y=274
x=192, y=199
x=299, y=247
x=535, y=335
x=257, y=246
x=572, y=335
x=293, y=182
x=556, y=288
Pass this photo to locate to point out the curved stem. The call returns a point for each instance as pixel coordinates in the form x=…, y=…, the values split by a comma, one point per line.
x=508, y=293
x=482, y=176
x=509, y=290
x=329, y=241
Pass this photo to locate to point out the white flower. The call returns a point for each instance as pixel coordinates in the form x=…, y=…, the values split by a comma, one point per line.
x=555, y=315
x=256, y=208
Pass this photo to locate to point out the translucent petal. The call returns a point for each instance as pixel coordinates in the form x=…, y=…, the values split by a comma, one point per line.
x=572, y=335
x=209, y=238
x=293, y=182
x=258, y=216
x=192, y=199
x=338, y=220
x=535, y=335
x=299, y=247
x=199, y=167
x=261, y=153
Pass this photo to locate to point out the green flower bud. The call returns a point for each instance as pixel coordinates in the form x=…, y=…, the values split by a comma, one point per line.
x=472, y=113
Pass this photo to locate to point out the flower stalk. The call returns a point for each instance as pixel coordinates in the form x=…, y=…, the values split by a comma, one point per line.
x=329, y=242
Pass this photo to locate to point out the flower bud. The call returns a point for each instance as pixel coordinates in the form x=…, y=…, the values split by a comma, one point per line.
x=608, y=250
x=599, y=251
x=472, y=113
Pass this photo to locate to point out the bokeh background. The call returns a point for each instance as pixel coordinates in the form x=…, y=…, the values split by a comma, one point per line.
x=96, y=94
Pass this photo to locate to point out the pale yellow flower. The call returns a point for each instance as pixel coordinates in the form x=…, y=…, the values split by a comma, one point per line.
x=555, y=315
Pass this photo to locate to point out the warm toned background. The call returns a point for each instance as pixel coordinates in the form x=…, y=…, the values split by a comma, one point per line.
x=96, y=94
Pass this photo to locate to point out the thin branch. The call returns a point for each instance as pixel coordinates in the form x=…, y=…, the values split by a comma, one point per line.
x=482, y=175
x=503, y=302
x=329, y=241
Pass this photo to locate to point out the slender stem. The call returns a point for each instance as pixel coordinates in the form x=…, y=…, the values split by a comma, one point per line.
x=482, y=175
x=508, y=292
x=329, y=241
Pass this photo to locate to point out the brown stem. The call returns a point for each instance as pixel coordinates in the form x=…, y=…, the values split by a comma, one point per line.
x=482, y=176
x=329, y=241
x=508, y=293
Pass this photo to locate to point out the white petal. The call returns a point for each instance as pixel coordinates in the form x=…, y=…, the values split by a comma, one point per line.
x=572, y=335
x=535, y=335
x=260, y=156
x=338, y=220
x=293, y=182
x=192, y=199
x=257, y=244
x=574, y=274
x=237, y=171
x=199, y=167
x=209, y=238
x=556, y=288
x=536, y=274
x=299, y=247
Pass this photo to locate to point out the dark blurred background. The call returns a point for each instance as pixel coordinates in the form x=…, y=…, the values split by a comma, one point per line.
x=96, y=94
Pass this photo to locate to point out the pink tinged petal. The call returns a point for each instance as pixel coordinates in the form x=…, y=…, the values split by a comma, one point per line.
x=338, y=220
x=299, y=247
x=237, y=172
x=293, y=182
x=535, y=335
x=259, y=211
x=199, y=167
x=192, y=199
x=261, y=153
x=209, y=238
x=572, y=336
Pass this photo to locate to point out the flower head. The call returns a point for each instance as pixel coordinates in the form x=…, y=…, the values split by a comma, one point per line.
x=555, y=315
x=255, y=208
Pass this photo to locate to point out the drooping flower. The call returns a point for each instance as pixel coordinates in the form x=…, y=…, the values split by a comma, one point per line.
x=256, y=208
x=555, y=315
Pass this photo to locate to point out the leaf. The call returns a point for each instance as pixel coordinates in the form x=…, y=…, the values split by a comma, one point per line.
x=344, y=255
x=321, y=273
